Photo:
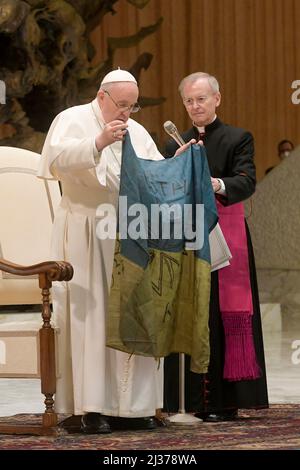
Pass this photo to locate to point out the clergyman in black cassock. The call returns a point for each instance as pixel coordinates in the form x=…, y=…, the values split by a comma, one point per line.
x=230, y=152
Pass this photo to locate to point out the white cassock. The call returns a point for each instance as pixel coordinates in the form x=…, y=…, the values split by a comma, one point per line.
x=92, y=377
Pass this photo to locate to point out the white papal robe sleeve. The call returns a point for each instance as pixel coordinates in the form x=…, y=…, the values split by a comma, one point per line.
x=67, y=147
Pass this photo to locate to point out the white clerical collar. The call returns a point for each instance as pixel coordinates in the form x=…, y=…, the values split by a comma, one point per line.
x=202, y=128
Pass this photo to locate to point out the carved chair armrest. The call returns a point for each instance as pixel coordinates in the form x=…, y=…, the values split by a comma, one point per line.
x=51, y=270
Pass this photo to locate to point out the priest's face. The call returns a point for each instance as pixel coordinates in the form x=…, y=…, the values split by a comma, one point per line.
x=284, y=149
x=118, y=100
x=200, y=101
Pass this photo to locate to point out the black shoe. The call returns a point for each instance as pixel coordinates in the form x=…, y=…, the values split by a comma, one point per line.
x=230, y=415
x=94, y=423
x=134, y=424
x=72, y=424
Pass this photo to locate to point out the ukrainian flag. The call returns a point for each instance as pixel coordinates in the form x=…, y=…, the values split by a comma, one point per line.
x=159, y=299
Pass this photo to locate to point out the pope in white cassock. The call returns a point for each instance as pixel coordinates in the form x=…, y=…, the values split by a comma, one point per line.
x=83, y=150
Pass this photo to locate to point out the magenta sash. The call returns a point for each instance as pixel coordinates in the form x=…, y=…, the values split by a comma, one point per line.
x=235, y=298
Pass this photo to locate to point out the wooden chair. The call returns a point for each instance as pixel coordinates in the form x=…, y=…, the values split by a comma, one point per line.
x=27, y=207
x=47, y=272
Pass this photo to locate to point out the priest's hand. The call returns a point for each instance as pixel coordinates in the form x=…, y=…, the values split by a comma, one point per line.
x=216, y=184
x=184, y=147
x=113, y=131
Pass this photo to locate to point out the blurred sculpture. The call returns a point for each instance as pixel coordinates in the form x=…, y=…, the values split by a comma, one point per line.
x=46, y=64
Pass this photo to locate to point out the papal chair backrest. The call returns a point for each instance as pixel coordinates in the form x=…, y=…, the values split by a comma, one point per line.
x=27, y=207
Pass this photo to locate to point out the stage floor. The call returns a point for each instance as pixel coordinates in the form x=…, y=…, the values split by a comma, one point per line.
x=282, y=352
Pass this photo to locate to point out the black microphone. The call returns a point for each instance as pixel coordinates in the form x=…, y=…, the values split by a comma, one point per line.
x=171, y=129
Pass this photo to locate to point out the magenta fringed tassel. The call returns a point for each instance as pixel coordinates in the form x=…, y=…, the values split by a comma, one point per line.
x=240, y=357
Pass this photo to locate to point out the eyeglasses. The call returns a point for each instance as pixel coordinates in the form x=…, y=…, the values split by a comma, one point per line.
x=200, y=100
x=133, y=108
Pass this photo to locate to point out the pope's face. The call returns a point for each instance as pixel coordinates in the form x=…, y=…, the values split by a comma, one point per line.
x=117, y=101
x=200, y=101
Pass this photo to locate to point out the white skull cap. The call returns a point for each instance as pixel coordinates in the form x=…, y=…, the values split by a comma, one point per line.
x=118, y=76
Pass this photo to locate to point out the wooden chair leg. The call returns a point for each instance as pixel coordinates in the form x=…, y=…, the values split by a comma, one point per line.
x=47, y=358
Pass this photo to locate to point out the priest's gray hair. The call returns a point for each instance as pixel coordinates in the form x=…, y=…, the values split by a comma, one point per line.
x=193, y=77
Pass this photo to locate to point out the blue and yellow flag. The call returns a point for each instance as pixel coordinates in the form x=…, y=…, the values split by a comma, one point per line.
x=159, y=299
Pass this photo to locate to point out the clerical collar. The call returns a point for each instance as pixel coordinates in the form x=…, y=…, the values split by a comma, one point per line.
x=209, y=127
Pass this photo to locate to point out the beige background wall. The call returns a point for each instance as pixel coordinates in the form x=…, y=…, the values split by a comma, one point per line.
x=252, y=46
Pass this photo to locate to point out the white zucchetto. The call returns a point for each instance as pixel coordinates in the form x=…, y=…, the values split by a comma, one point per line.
x=118, y=76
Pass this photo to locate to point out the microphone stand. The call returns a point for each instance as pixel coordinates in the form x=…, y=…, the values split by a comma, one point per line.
x=182, y=417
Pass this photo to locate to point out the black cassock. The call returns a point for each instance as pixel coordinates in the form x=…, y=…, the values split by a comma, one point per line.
x=230, y=152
